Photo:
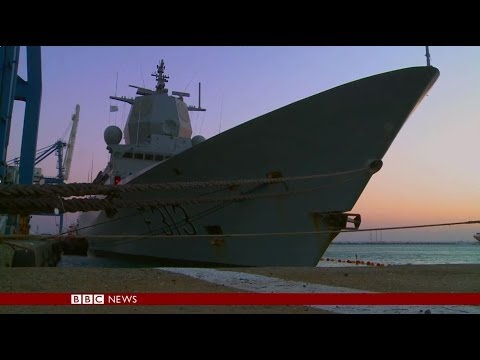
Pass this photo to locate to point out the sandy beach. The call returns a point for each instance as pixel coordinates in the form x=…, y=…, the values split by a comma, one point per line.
x=406, y=278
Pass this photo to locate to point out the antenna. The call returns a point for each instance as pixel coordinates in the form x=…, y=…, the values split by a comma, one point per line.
x=116, y=84
x=199, y=108
x=143, y=80
x=88, y=176
x=160, y=77
x=91, y=171
x=221, y=112
x=427, y=54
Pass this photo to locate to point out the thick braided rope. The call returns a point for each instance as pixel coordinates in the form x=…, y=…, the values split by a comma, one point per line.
x=82, y=189
x=48, y=204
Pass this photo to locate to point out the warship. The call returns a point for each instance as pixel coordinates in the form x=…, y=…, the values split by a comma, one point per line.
x=273, y=191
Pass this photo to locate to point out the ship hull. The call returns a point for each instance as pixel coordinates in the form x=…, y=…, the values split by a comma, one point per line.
x=335, y=132
x=192, y=235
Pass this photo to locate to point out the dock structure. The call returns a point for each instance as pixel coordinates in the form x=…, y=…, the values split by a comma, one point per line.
x=31, y=253
x=13, y=87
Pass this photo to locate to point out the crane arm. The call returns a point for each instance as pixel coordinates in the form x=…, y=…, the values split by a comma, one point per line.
x=71, y=142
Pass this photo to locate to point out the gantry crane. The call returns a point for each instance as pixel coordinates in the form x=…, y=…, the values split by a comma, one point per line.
x=63, y=163
x=71, y=143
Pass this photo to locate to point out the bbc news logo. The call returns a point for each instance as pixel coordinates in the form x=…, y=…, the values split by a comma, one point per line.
x=102, y=299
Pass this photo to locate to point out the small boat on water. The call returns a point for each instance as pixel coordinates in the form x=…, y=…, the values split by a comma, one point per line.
x=477, y=236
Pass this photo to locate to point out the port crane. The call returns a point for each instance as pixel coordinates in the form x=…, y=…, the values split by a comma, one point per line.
x=71, y=143
x=63, y=162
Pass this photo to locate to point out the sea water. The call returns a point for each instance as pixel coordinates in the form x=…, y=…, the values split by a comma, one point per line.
x=405, y=253
x=385, y=253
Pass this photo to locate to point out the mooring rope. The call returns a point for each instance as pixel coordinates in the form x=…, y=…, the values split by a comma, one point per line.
x=295, y=233
x=49, y=204
x=83, y=189
x=39, y=203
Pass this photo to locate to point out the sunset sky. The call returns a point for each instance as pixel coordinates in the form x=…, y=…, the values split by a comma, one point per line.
x=431, y=173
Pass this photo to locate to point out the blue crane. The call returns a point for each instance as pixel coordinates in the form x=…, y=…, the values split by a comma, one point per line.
x=63, y=163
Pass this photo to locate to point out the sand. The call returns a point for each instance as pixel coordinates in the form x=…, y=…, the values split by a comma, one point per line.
x=406, y=278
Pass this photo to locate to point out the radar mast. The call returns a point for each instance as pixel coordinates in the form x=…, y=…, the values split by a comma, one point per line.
x=161, y=78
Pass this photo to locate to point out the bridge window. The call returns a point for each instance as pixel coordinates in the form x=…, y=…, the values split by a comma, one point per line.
x=148, y=156
x=128, y=155
x=158, y=157
x=138, y=156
